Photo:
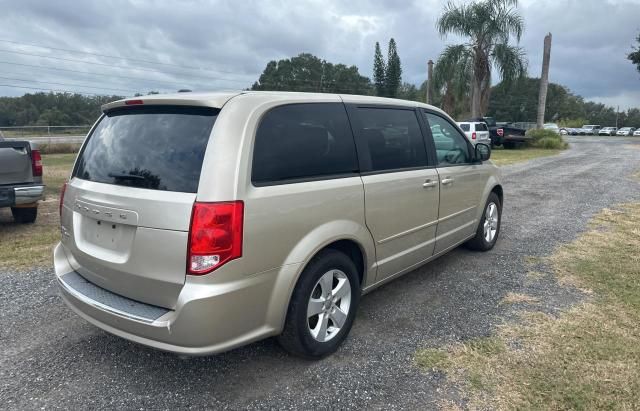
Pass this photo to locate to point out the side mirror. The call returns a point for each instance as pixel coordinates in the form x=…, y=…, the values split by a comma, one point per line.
x=482, y=152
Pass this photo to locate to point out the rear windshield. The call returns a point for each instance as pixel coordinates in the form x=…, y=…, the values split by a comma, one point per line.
x=481, y=127
x=153, y=147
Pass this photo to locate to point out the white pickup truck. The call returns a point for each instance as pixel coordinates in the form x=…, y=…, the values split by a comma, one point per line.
x=20, y=179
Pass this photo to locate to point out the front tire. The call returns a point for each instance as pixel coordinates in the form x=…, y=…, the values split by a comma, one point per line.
x=323, y=306
x=489, y=225
x=24, y=215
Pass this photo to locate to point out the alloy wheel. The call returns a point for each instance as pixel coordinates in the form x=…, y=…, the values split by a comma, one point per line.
x=490, y=222
x=328, y=306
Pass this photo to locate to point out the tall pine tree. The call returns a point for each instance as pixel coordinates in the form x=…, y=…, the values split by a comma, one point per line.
x=393, y=74
x=379, y=72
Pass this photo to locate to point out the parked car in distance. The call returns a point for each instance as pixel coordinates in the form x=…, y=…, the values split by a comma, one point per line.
x=626, y=131
x=476, y=132
x=636, y=133
x=196, y=239
x=608, y=131
x=21, y=186
x=589, y=130
x=553, y=127
x=503, y=134
x=569, y=131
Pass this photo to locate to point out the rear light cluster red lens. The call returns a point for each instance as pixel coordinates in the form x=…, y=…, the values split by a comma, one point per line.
x=473, y=135
x=62, y=191
x=215, y=235
x=500, y=132
x=133, y=102
x=36, y=163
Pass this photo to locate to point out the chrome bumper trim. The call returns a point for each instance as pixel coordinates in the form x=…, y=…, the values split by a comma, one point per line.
x=28, y=195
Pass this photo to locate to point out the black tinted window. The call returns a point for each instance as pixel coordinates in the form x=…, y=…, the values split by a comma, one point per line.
x=480, y=127
x=158, y=148
x=301, y=141
x=393, y=138
x=451, y=146
x=465, y=126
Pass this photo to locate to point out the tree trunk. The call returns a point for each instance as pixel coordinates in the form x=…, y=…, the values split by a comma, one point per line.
x=476, y=96
x=544, y=81
x=429, y=99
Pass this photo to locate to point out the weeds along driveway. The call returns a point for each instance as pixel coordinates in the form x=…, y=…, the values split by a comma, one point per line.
x=49, y=357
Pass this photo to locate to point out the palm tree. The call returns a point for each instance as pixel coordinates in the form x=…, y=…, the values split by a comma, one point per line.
x=487, y=25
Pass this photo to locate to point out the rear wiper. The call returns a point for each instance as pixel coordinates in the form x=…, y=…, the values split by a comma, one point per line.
x=123, y=176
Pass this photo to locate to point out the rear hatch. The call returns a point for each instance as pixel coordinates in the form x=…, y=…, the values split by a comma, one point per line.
x=482, y=132
x=15, y=162
x=128, y=205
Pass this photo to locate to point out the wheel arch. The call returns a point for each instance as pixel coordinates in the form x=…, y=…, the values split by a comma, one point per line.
x=355, y=242
x=499, y=192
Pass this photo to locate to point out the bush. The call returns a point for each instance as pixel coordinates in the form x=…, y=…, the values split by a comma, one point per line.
x=547, y=139
x=573, y=123
x=62, y=148
x=550, y=143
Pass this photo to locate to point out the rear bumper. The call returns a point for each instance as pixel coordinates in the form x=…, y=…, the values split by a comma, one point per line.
x=207, y=319
x=20, y=195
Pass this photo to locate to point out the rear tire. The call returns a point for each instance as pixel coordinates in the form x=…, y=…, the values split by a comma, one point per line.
x=489, y=225
x=327, y=288
x=24, y=215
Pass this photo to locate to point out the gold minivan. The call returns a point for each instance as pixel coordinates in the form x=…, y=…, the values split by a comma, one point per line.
x=196, y=223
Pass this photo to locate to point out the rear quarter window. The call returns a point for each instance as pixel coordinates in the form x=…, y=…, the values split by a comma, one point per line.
x=465, y=126
x=303, y=141
x=152, y=147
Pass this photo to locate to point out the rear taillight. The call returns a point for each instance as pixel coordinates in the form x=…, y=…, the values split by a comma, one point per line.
x=500, y=132
x=473, y=135
x=36, y=163
x=62, y=190
x=215, y=235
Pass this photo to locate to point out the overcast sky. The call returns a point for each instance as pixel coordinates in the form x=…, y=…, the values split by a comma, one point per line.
x=209, y=45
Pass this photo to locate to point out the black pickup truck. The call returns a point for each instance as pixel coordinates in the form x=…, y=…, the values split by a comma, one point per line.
x=504, y=135
x=20, y=179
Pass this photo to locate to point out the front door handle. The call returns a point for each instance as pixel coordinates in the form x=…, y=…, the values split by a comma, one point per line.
x=447, y=180
x=429, y=184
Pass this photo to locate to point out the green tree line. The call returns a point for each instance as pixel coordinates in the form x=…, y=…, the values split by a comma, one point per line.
x=509, y=101
x=519, y=102
x=51, y=109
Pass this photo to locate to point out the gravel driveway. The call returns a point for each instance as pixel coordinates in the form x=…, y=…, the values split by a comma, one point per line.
x=51, y=358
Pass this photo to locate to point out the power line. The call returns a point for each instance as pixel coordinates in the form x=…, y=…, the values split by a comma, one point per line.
x=49, y=89
x=116, y=57
x=92, y=74
x=115, y=66
x=149, y=70
x=66, y=84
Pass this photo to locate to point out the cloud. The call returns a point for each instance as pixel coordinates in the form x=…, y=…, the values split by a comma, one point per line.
x=229, y=43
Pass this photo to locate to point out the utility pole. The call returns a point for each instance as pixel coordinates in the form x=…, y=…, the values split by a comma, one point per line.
x=321, y=78
x=430, y=82
x=544, y=81
x=617, y=111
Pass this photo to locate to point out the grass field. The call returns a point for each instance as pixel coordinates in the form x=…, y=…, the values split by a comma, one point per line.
x=28, y=245
x=502, y=157
x=587, y=357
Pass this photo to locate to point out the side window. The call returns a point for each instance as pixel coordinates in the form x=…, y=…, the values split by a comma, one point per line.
x=300, y=141
x=451, y=146
x=392, y=137
x=465, y=126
